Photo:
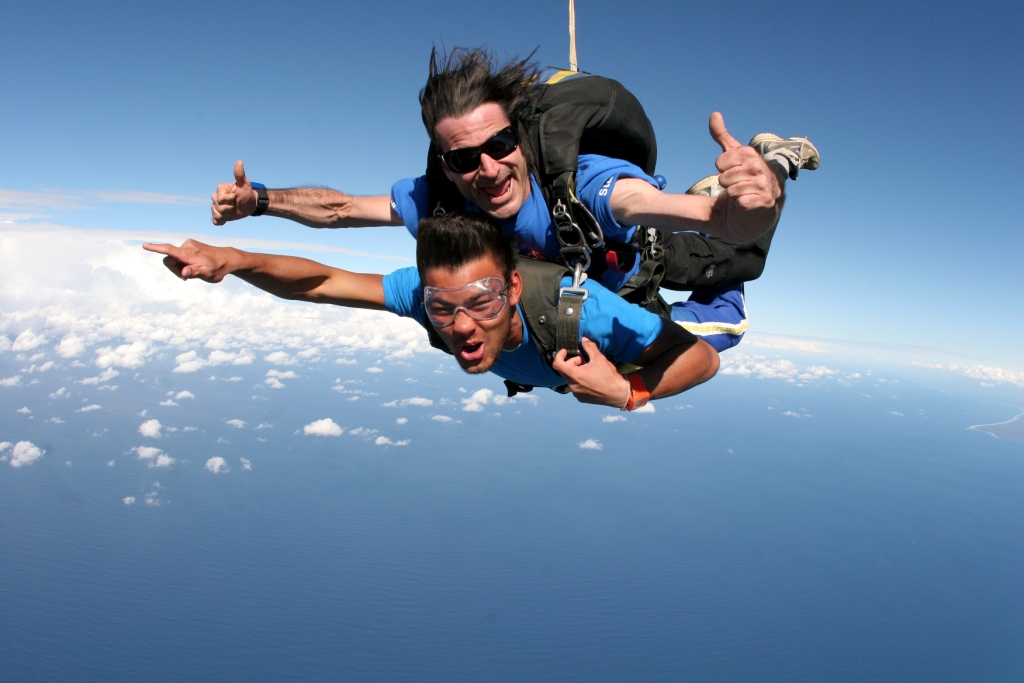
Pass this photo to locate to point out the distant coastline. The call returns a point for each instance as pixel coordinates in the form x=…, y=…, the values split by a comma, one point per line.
x=1011, y=430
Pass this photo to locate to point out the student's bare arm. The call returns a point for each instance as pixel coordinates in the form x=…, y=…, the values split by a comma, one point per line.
x=287, y=277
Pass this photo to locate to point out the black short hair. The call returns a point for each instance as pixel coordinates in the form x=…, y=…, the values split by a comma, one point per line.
x=466, y=78
x=453, y=240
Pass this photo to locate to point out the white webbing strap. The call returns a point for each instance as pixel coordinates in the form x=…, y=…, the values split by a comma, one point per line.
x=573, y=65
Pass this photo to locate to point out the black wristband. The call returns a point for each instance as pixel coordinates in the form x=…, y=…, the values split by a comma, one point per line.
x=262, y=200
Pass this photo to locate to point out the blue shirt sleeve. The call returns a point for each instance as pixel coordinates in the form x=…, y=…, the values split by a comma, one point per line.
x=595, y=180
x=409, y=199
x=620, y=329
x=403, y=294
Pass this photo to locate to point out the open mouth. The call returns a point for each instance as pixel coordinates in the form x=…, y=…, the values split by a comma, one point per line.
x=496, y=192
x=471, y=351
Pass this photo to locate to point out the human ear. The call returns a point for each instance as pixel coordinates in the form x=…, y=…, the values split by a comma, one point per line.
x=515, y=289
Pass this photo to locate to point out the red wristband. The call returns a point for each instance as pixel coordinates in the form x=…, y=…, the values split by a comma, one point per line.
x=638, y=393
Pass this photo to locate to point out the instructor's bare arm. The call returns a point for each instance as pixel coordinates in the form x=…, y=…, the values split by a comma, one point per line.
x=315, y=207
x=749, y=206
x=288, y=277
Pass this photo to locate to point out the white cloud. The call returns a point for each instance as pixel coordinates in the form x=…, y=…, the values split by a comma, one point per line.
x=896, y=413
x=758, y=366
x=62, y=392
x=24, y=410
x=324, y=427
x=401, y=420
x=264, y=425
x=374, y=369
x=152, y=499
x=281, y=375
x=71, y=346
x=649, y=408
x=613, y=418
x=89, y=408
x=25, y=453
x=246, y=463
x=105, y=376
x=4, y=445
x=280, y=358
x=128, y=500
x=476, y=402
x=236, y=423
x=190, y=361
x=982, y=372
x=146, y=452
x=274, y=383
x=132, y=355
x=162, y=460
x=151, y=428
x=346, y=361
x=168, y=403
x=27, y=340
x=385, y=441
x=56, y=420
x=217, y=465
x=362, y=431
x=183, y=395
x=414, y=401
x=5, y=342
x=591, y=444
x=441, y=418
x=11, y=381
x=790, y=413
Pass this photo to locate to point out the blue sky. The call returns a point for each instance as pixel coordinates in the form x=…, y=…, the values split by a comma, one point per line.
x=910, y=233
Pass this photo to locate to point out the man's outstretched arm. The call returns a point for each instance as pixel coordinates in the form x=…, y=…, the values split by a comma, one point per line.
x=288, y=277
x=672, y=364
x=315, y=207
x=749, y=207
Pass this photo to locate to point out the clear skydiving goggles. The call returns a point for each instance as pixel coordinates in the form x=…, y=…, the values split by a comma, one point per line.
x=483, y=299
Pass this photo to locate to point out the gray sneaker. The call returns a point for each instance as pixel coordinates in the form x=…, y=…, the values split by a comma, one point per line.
x=708, y=187
x=792, y=154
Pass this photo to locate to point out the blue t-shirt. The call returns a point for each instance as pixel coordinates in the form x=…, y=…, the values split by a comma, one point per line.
x=532, y=226
x=620, y=329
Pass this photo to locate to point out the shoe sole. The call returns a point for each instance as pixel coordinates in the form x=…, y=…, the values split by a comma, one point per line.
x=810, y=161
x=703, y=187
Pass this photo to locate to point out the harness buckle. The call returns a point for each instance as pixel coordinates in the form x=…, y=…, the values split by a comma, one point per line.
x=577, y=289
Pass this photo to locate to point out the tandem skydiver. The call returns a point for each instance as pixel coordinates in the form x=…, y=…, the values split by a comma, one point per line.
x=712, y=239
x=490, y=310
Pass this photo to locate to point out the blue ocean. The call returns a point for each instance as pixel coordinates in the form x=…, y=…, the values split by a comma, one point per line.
x=748, y=530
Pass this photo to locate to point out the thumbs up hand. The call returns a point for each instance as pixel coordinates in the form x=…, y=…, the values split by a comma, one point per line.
x=752, y=200
x=234, y=200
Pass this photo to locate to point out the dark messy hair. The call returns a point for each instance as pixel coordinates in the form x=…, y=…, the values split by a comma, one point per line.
x=466, y=78
x=455, y=239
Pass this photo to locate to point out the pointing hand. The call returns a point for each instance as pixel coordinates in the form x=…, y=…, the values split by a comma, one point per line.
x=234, y=200
x=194, y=259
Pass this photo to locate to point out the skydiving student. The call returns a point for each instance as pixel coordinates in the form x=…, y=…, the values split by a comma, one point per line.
x=714, y=238
x=475, y=302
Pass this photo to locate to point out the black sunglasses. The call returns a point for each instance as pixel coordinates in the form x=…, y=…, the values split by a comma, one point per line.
x=467, y=159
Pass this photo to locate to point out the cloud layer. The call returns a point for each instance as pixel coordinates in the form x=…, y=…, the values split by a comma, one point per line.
x=113, y=305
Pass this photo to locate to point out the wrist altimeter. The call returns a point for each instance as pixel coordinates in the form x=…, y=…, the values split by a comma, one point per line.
x=262, y=200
